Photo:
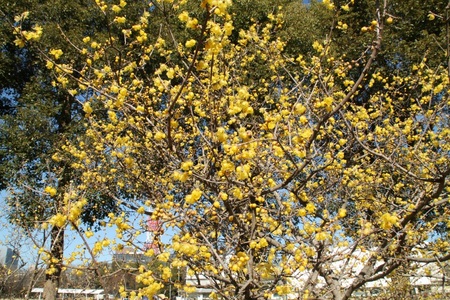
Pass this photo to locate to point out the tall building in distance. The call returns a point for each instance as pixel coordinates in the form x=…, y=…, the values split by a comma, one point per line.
x=9, y=258
x=153, y=228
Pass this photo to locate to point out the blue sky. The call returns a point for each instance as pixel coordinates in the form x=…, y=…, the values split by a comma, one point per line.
x=73, y=242
x=3, y=222
x=8, y=236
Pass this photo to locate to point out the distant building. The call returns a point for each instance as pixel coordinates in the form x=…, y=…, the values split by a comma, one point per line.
x=76, y=293
x=9, y=258
x=130, y=255
x=200, y=293
x=423, y=280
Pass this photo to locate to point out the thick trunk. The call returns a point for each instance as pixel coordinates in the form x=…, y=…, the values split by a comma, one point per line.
x=54, y=269
x=53, y=276
x=50, y=290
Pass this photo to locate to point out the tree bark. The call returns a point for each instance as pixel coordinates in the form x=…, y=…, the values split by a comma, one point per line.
x=50, y=290
x=53, y=276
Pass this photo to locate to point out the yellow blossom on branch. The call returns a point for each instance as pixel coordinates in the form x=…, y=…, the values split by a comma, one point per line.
x=57, y=53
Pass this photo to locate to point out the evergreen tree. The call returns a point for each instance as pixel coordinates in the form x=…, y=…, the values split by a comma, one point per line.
x=37, y=119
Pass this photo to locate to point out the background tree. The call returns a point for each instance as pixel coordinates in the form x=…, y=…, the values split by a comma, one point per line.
x=38, y=118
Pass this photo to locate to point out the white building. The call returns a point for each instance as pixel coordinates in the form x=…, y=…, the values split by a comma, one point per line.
x=425, y=279
x=200, y=293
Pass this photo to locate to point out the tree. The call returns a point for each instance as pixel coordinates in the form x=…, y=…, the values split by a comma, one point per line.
x=38, y=117
x=296, y=179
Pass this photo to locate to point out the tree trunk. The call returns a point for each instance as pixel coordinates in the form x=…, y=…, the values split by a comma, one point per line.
x=50, y=289
x=53, y=276
x=54, y=269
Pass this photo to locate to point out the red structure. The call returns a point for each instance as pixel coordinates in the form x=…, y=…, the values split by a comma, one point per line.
x=153, y=225
x=153, y=228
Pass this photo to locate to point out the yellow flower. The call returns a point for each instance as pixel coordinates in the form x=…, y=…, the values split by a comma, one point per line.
x=278, y=151
x=194, y=196
x=166, y=273
x=191, y=43
x=317, y=46
x=136, y=27
x=322, y=236
x=329, y=4
x=283, y=289
x=37, y=32
x=243, y=172
x=56, y=53
x=170, y=73
x=116, y=8
x=120, y=20
x=299, y=109
x=58, y=220
x=342, y=142
x=237, y=193
x=159, y=136
x=72, y=92
x=192, y=23
x=186, y=165
x=184, y=16
x=50, y=190
x=95, y=45
x=221, y=134
x=87, y=108
x=189, y=289
x=21, y=17
x=342, y=212
x=19, y=42
x=223, y=196
x=310, y=207
x=49, y=65
x=388, y=221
